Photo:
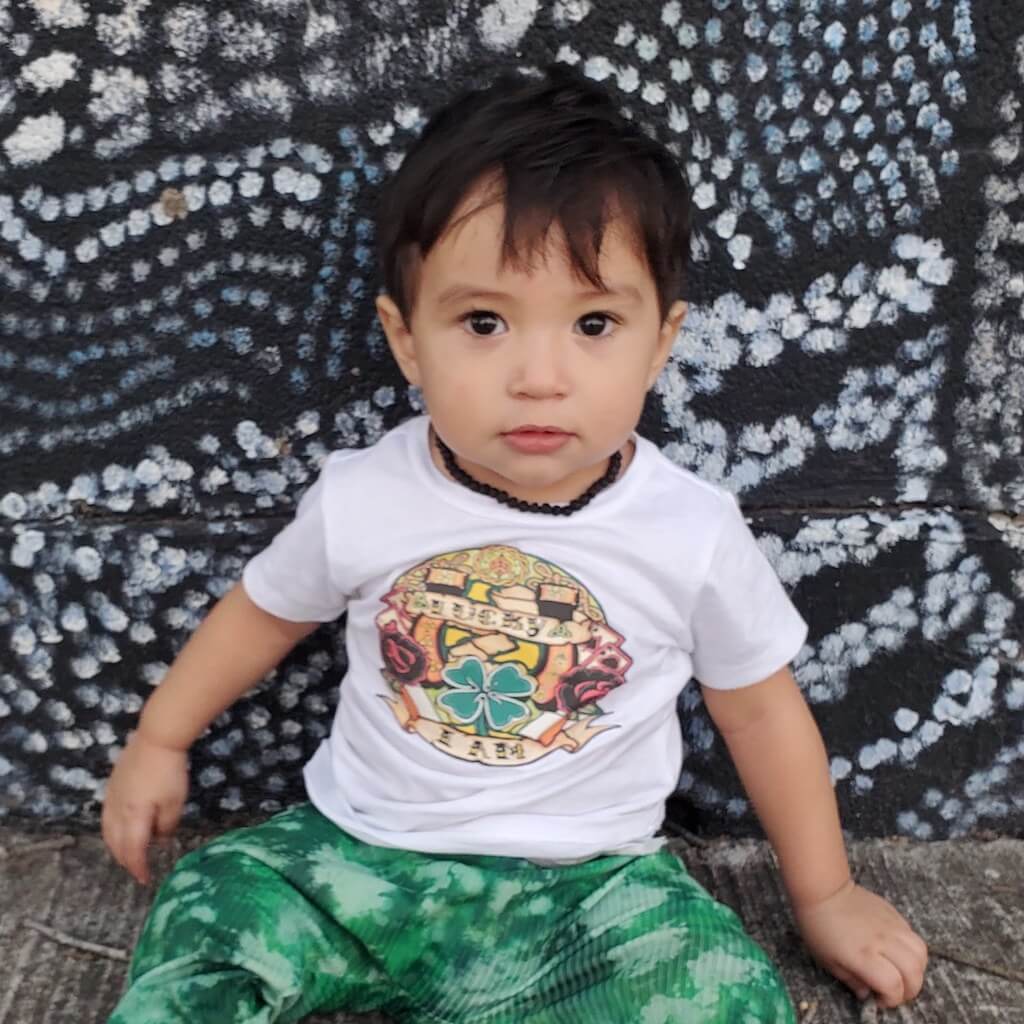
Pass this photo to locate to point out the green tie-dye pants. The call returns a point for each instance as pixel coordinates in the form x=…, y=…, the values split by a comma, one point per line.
x=293, y=916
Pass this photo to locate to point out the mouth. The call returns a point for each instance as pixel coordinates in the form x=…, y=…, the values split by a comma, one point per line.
x=531, y=428
x=532, y=439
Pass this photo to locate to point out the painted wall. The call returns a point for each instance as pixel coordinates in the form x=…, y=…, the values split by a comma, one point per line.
x=186, y=328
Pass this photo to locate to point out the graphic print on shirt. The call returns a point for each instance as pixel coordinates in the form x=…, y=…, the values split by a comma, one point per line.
x=496, y=656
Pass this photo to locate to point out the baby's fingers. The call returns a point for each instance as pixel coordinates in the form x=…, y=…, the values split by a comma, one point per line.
x=131, y=837
x=909, y=956
x=168, y=815
x=860, y=990
x=881, y=976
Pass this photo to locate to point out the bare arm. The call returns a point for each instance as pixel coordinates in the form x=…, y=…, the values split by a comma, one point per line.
x=780, y=757
x=781, y=760
x=234, y=647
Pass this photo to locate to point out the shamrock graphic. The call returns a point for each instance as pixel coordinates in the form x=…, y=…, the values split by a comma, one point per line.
x=483, y=698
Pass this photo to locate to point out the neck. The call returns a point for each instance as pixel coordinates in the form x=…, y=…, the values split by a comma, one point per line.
x=564, y=499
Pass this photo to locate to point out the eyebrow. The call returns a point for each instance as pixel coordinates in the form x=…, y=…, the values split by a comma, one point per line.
x=460, y=292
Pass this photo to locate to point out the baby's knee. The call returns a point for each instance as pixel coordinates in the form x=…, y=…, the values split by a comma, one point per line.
x=740, y=983
x=760, y=998
x=201, y=907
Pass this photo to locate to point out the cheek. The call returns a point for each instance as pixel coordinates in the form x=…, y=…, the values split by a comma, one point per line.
x=457, y=393
x=620, y=397
x=451, y=368
x=620, y=408
x=623, y=377
x=455, y=382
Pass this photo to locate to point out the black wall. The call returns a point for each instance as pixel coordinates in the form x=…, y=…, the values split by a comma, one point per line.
x=186, y=278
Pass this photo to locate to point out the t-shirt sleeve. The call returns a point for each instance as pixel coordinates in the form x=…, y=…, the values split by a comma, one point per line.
x=744, y=625
x=292, y=577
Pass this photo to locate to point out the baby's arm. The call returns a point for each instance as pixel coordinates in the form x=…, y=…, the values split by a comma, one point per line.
x=234, y=647
x=779, y=754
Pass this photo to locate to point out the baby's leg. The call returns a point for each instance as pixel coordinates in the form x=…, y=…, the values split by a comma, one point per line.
x=246, y=930
x=647, y=943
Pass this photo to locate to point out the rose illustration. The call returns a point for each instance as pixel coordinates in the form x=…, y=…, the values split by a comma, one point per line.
x=405, y=659
x=585, y=686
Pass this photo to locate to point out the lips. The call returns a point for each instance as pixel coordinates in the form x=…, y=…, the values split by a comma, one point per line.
x=531, y=428
x=533, y=439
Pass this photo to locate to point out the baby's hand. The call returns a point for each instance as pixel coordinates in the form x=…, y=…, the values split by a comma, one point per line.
x=865, y=943
x=145, y=796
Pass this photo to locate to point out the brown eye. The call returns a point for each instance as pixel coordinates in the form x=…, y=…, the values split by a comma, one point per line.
x=595, y=325
x=483, y=323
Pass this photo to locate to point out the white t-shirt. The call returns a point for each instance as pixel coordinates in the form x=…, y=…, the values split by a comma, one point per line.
x=513, y=677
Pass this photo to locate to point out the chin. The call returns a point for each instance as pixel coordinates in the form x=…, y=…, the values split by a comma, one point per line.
x=523, y=479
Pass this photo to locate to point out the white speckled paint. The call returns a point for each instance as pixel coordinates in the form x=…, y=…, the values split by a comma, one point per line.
x=171, y=377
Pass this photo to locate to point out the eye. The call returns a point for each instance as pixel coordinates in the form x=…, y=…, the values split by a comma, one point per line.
x=482, y=323
x=596, y=325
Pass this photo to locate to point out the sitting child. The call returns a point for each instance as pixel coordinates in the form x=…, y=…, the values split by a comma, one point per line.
x=529, y=585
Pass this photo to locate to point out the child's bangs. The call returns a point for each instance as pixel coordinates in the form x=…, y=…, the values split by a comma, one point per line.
x=572, y=207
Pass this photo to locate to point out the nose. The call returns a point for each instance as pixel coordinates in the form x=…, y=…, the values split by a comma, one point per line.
x=539, y=368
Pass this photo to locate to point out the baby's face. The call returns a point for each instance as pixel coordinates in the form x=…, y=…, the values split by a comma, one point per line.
x=531, y=376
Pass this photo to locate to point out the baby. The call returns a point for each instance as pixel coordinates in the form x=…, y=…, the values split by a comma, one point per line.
x=529, y=585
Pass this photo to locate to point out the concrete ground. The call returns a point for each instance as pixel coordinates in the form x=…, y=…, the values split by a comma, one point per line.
x=69, y=916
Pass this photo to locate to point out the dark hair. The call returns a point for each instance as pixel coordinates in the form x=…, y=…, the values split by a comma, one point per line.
x=559, y=151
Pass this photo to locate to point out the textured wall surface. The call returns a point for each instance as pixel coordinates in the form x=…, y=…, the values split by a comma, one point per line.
x=186, y=328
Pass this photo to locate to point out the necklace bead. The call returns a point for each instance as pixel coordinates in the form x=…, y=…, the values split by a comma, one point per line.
x=544, y=508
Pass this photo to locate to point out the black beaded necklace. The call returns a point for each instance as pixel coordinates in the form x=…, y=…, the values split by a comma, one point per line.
x=453, y=467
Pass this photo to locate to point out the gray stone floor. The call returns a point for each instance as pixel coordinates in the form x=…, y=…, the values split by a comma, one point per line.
x=965, y=897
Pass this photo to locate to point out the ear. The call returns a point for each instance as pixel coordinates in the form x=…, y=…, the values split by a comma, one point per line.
x=666, y=339
x=399, y=338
